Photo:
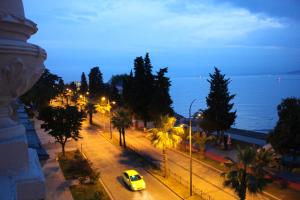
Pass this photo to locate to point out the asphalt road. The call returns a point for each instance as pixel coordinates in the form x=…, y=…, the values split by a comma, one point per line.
x=111, y=162
x=204, y=178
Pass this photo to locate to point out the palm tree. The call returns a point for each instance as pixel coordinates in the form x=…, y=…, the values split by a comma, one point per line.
x=248, y=173
x=90, y=107
x=122, y=121
x=201, y=139
x=166, y=136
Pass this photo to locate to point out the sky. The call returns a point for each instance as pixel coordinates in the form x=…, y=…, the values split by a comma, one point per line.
x=189, y=37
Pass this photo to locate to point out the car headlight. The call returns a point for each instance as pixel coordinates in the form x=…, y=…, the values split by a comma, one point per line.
x=133, y=186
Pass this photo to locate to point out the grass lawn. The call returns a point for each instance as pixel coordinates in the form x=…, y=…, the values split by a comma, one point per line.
x=89, y=192
x=82, y=191
x=66, y=162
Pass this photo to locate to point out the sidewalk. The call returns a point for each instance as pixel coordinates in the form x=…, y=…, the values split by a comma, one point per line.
x=57, y=188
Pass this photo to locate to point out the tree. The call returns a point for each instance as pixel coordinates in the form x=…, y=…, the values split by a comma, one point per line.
x=96, y=89
x=166, y=136
x=140, y=106
x=201, y=139
x=114, y=94
x=62, y=123
x=218, y=116
x=96, y=85
x=83, y=84
x=73, y=91
x=248, y=173
x=91, y=109
x=61, y=90
x=45, y=89
x=161, y=103
x=121, y=120
x=142, y=88
x=285, y=138
x=128, y=91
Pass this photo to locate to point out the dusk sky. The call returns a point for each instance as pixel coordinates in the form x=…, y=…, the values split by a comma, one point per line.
x=188, y=36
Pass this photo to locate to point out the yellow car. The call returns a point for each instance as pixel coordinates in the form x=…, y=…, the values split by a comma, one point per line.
x=134, y=180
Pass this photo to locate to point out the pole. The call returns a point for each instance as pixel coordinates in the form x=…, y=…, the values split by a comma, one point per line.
x=110, y=124
x=191, y=159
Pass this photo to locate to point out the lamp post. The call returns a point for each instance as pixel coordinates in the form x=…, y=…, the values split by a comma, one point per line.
x=191, y=159
x=110, y=120
x=108, y=104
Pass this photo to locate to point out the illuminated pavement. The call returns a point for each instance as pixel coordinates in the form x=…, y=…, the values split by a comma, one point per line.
x=204, y=177
x=111, y=162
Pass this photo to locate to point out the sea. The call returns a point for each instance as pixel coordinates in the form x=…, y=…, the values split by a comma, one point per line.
x=256, y=100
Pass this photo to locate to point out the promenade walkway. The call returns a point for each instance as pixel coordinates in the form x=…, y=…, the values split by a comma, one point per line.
x=57, y=188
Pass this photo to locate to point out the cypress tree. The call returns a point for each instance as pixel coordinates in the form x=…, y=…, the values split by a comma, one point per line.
x=218, y=115
x=140, y=93
x=161, y=103
x=83, y=84
x=96, y=89
x=148, y=71
x=127, y=93
x=96, y=85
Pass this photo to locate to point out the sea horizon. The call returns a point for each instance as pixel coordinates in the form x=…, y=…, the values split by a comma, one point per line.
x=256, y=101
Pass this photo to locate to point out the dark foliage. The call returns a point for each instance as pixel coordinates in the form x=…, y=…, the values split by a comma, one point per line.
x=121, y=120
x=218, y=115
x=285, y=138
x=127, y=93
x=141, y=91
x=249, y=172
x=161, y=103
x=45, y=89
x=96, y=85
x=62, y=123
x=83, y=84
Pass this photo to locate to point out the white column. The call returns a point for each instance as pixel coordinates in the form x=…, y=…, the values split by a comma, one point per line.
x=21, y=64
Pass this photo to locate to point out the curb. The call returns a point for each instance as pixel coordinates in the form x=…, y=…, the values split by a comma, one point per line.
x=106, y=189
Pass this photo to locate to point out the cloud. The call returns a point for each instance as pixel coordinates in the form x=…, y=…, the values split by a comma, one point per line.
x=155, y=24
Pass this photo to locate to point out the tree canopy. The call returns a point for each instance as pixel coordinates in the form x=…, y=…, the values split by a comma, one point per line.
x=218, y=115
x=166, y=136
x=62, y=123
x=121, y=120
x=285, y=138
x=145, y=94
x=249, y=172
x=161, y=103
x=96, y=85
x=45, y=89
x=83, y=84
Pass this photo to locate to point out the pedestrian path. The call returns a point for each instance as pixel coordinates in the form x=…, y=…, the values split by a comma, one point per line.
x=57, y=188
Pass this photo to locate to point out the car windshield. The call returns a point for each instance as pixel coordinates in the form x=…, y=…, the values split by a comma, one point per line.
x=135, y=177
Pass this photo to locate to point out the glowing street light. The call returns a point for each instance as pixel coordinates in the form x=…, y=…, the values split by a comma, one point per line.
x=109, y=111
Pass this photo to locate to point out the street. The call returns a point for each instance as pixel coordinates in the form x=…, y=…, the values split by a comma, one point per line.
x=111, y=162
x=204, y=177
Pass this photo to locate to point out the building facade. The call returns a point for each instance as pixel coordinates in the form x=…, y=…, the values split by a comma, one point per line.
x=21, y=65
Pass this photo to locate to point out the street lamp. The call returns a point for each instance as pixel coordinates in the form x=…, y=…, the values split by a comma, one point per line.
x=108, y=104
x=114, y=103
x=191, y=159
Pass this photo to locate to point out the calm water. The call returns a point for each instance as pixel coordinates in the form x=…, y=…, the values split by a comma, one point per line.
x=256, y=98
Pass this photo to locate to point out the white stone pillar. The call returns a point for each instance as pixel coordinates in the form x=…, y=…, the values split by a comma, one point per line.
x=21, y=64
